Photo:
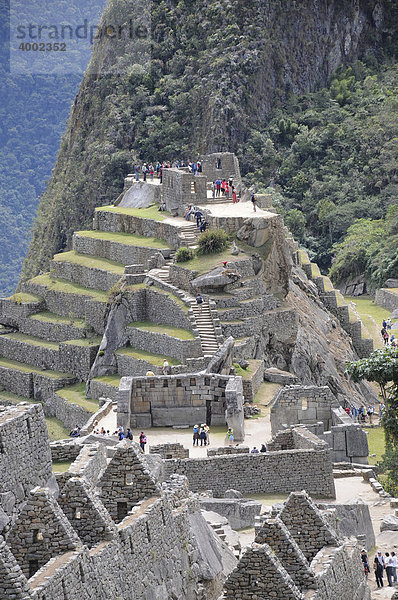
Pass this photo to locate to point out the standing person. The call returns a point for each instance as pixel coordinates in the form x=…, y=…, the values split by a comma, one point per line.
x=199, y=301
x=213, y=189
x=388, y=324
x=254, y=201
x=207, y=430
x=223, y=184
x=385, y=337
x=389, y=568
x=144, y=170
x=202, y=435
x=143, y=441
x=137, y=172
x=378, y=566
x=230, y=436
x=166, y=368
x=394, y=566
x=151, y=171
x=203, y=226
x=234, y=195
x=129, y=434
x=384, y=324
x=230, y=182
x=198, y=216
x=195, y=432
x=365, y=562
x=370, y=413
x=218, y=187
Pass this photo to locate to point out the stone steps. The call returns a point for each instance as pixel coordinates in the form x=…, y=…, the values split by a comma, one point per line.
x=205, y=327
x=86, y=270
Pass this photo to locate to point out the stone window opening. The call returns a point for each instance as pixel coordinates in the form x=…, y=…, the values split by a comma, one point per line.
x=165, y=383
x=178, y=383
x=33, y=567
x=128, y=478
x=152, y=383
x=121, y=509
x=283, y=446
x=304, y=404
x=193, y=187
x=78, y=514
x=37, y=536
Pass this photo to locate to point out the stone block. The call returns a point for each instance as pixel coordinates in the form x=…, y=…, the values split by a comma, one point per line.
x=167, y=417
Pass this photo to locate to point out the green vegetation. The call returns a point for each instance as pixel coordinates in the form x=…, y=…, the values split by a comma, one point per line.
x=25, y=368
x=128, y=239
x=113, y=380
x=145, y=213
x=371, y=316
x=92, y=262
x=10, y=397
x=244, y=373
x=177, y=332
x=172, y=297
x=206, y=262
x=76, y=395
x=376, y=443
x=33, y=341
x=56, y=429
x=382, y=367
x=61, y=466
x=49, y=317
x=154, y=359
x=184, y=254
x=85, y=342
x=22, y=298
x=212, y=242
x=62, y=285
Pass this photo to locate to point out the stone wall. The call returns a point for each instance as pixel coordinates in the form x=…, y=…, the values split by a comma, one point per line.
x=11, y=311
x=122, y=253
x=302, y=404
x=90, y=277
x=221, y=165
x=181, y=188
x=270, y=472
x=170, y=450
x=25, y=458
x=161, y=343
x=163, y=401
x=65, y=450
x=387, y=298
x=69, y=413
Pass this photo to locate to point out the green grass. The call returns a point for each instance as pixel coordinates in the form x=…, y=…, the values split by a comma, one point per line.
x=244, y=373
x=49, y=317
x=76, y=394
x=177, y=332
x=10, y=397
x=61, y=466
x=127, y=239
x=327, y=284
x=56, y=429
x=153, y=359
x=25, y=368
x=62, y=285
x=92, y=262
x=206, y=262
x=22, y=298
x=371, y=316
x=315, y=272
x=266, y=393
x=172, y=297
x=33, y=341
x=376, y=443
x=304, y=257
x=85, y=342
x=145, y=213
x=113, y=380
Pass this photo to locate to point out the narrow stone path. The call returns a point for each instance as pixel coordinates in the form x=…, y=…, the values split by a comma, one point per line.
x=205, y=325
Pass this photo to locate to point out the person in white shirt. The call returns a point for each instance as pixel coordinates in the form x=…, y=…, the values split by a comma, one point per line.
x=394, y=566
x=389, y=568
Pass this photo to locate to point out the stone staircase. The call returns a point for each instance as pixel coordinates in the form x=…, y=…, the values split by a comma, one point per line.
x=205, y=326
x=189, y=234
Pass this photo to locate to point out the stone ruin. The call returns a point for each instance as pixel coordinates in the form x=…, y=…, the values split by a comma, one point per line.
x=121, y=524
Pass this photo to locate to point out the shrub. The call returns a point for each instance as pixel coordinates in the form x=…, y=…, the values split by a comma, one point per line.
x=184, y=254
x=213, y=241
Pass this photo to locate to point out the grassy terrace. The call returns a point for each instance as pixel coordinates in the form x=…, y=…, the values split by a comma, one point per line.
x=62, y=285
x=145, y=213
x=61, y=466
x=22, y=298
x=376, y=443
x=371, y=316
x=10, y=397
x=56, y=429
x=127, y=239
x=172, y=297
x=25, y=368
x=182, y=334
x=92, y=262
x=33, y=341
x=204, y=263
x=113, y=380
x=154, y=359
x=85, y=342
x=49, y=317
x=76, y=394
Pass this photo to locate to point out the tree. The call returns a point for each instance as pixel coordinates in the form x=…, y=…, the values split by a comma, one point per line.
x=382, y=367
x=295, y=221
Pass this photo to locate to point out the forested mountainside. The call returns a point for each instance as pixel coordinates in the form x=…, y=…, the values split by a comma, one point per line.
x=333, y=155
x=217, y=72
x=34, y=108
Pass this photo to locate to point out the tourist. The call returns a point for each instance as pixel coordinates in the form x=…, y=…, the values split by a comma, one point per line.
x=378, y=566
x=75, y=431
x=393, y=341
x=230, y=436
x=385, y=337
x=365, y=561
x=198, y=216
x=166, y=369
x=218, y=187
x=384, y=324
x=199, y=167
x=137, y=172
x=254, y=202
x=213, y=189
x=203, y=226
x=202, y=435
x=129, y=434
x=226, y=190
x=255, y=450
x=388, y=324
x=234, y=195
x=381, y=408
x=144, y=170
x=151, y=171
x=263, y=448
x=207, y=431
x=394, y=566
x=199, y=301
x=370, y=413
x=195, y=432
x=223, y=183
x=389, y=568
x=230, y=182
x=150, y=374
x=143, y=441
x=162, y=206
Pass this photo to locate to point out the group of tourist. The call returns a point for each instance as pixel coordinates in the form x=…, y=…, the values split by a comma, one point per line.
x=121, y=434
x=389, y=338
x=155, y=169
x=255, y=450
x=381, y=563
x=363, y=413
x=224, y=188
x=201, y=433
x=201, y=222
